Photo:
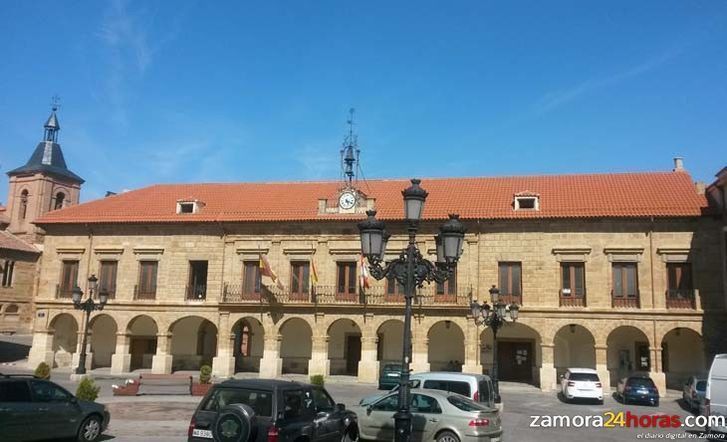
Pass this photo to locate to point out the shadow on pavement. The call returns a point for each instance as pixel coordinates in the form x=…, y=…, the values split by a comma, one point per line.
x=11, y=351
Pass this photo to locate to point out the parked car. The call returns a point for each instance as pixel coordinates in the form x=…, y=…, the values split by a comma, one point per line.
x=477, y=387
x=437, y=416
x=693, y=392
x=581, y=383
x=389, y=376
x=715, y=397
x=270, y=410
x=36, y=409
x=637, y=389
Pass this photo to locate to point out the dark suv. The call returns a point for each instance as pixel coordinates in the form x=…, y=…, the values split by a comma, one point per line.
x=35, y=409
x=270, y=410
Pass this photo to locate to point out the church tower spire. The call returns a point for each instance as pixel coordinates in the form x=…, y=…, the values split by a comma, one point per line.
x=43, y=184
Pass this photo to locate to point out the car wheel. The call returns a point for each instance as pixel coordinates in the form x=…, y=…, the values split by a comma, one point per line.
x=656, y=403
x=234, y=423
x=447, y=436
x=90, y=429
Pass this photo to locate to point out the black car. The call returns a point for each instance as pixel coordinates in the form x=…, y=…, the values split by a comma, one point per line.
x=638, y=389
x=389, y=376
x=36, y=409
x=270, y=410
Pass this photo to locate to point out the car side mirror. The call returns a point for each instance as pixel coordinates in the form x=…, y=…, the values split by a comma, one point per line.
x=368, y=409
x=340, y=407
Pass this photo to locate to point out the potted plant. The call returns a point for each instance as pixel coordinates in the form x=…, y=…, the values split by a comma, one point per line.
x=202, y=387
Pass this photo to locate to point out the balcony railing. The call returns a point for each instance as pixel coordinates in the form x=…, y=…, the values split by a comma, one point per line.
x=327, y=295
x=680, y=298
x=142, y=293
x=572, y=301
x=625, y=301
x=196, y=292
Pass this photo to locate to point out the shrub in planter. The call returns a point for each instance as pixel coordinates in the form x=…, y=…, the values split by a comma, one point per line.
x=42, y=371
x=317, y=379
x=87, y=390
x=205, y=374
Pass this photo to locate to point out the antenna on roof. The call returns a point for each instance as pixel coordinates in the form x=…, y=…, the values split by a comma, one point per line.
x=55, y=102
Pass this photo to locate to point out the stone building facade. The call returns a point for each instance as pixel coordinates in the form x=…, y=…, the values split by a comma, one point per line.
x=618, y=272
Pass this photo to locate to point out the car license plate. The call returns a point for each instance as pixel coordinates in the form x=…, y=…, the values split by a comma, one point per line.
x=393, y=375
x=207, y=434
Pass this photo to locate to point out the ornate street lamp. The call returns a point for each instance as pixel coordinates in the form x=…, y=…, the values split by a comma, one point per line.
x=494, y=316
x=88, y=306
x=410, y=270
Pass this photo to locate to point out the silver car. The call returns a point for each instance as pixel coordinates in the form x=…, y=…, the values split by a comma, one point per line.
x=693, y=392
x=437, y=416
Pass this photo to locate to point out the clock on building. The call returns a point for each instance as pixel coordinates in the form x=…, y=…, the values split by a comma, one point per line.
x=347, y=200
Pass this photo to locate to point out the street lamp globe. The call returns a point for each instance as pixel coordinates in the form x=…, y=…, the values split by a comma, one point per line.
x=372, y=236
x=76, y=295
x=452, y=235
x=494, y=294
x=476, y=309
x=414, y=197
x=514, y=310
x=92, y=283
x=384, y=242
x=440, y=249
x=103, y=297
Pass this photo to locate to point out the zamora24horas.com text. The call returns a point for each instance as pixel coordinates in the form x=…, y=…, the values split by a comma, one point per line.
x=627, y=419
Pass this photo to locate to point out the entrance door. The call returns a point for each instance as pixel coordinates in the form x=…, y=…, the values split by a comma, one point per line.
x=643, y=358
x=353, y=354
x=515, y=361
x=142, y=349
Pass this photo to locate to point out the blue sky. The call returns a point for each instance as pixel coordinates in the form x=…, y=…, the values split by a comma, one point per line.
x=187, y=91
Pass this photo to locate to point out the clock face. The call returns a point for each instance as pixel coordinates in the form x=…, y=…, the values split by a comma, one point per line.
x=347, y=200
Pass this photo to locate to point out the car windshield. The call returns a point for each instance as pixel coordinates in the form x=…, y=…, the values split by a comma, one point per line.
x=593, y=377
x=465, y=404
x=701, y=385
x=641, y=382
x=260, y=401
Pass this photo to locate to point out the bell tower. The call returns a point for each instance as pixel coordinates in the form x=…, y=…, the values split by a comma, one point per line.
x=43, y=184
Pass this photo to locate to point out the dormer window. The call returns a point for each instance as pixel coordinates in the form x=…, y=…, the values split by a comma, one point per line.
x=526, y=201
x=189, y=206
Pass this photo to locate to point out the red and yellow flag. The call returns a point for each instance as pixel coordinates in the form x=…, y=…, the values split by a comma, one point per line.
x=266, y=270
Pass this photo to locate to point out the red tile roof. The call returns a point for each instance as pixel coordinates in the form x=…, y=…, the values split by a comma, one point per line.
x=658, y=194
x=8, y=241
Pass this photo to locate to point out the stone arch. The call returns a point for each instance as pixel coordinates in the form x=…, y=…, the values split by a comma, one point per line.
x=193, y=342
x=344, y=347
x=10, y=313
x=296, y=345
x=58, y=199
x=23, y=204
x=519, y=353
x=65, y=339
x=103, y=340
x=249, y=341
x=682, y=355
x=446, y=346
x=574, y=347
x=390, y=343
x=628, y=351
x=142, y=331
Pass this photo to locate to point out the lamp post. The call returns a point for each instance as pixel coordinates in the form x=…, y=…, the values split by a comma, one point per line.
x=411, y=270
x=88, y=306
x=494, y=316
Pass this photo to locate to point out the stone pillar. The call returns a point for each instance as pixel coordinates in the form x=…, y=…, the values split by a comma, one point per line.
x=76, y=357
x=161, y=362
x=121, y=359
x=271, y=364
x=547, y=369
x=602, y=368
x=420, y=349
x=42, y=349
x=657, y=374
x=223, y=365
x=368, y=366
x=319, y=362
x=472, y=349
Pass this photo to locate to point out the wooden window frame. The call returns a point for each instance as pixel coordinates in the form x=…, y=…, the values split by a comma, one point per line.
x=506, y=293
x=8, y=269
x=111, y=288
x=257, y=285
x=66, y=277
x=300, y=276
x=350, y=283
x=447, y=290
x=623, y=270
x=393, y=290
x=147, y=288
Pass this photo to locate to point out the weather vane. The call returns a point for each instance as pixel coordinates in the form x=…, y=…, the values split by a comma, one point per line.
x=55, y=102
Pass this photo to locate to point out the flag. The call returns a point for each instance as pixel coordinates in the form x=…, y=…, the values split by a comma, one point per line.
x=266, y=270
x=313, y=273
x=364, y=272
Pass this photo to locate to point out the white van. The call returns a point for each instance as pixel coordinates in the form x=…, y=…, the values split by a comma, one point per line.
x=715, y=403
x=477, y=387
